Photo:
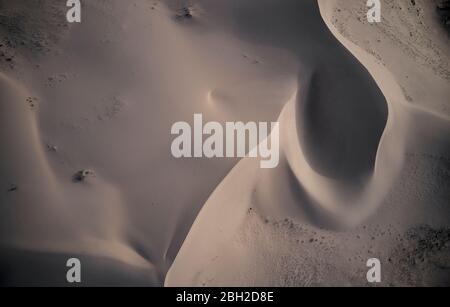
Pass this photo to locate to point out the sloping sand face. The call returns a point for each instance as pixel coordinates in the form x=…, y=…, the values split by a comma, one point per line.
x=106, y=94
x=363, y=161
x=277, y=229
x=43, y=215
x=339, y=129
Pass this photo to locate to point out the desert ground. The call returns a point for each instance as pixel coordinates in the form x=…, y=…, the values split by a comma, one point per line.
x=86, y=169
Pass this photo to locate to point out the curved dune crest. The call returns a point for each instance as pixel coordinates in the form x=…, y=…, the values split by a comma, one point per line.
x=41, y=213
x=23, y=160
x=341, y=158
x=340, y=129
x=364, y=146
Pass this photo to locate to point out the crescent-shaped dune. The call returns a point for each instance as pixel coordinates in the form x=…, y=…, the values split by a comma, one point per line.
x=86, y=169
x=343, y=157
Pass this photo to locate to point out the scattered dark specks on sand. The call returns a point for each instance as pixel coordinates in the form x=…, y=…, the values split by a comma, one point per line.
x=185, y=12
x=52, y=148
x=13, y=188
x=82, y=175
x=423, y=257
x=32, y=102
x=56, y=79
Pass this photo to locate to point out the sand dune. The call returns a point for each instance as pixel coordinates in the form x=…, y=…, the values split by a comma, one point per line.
x=364, y=126
x=301, y=202
x=55, y=211
x=107, y=97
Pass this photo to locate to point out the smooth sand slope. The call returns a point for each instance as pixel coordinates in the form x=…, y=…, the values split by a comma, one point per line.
x=44, y=215
x=363, y=113
x=106, y=93
x=276, y=228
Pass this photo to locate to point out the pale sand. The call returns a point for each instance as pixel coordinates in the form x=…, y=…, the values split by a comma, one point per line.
x=277, y=228
x=364, y=139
